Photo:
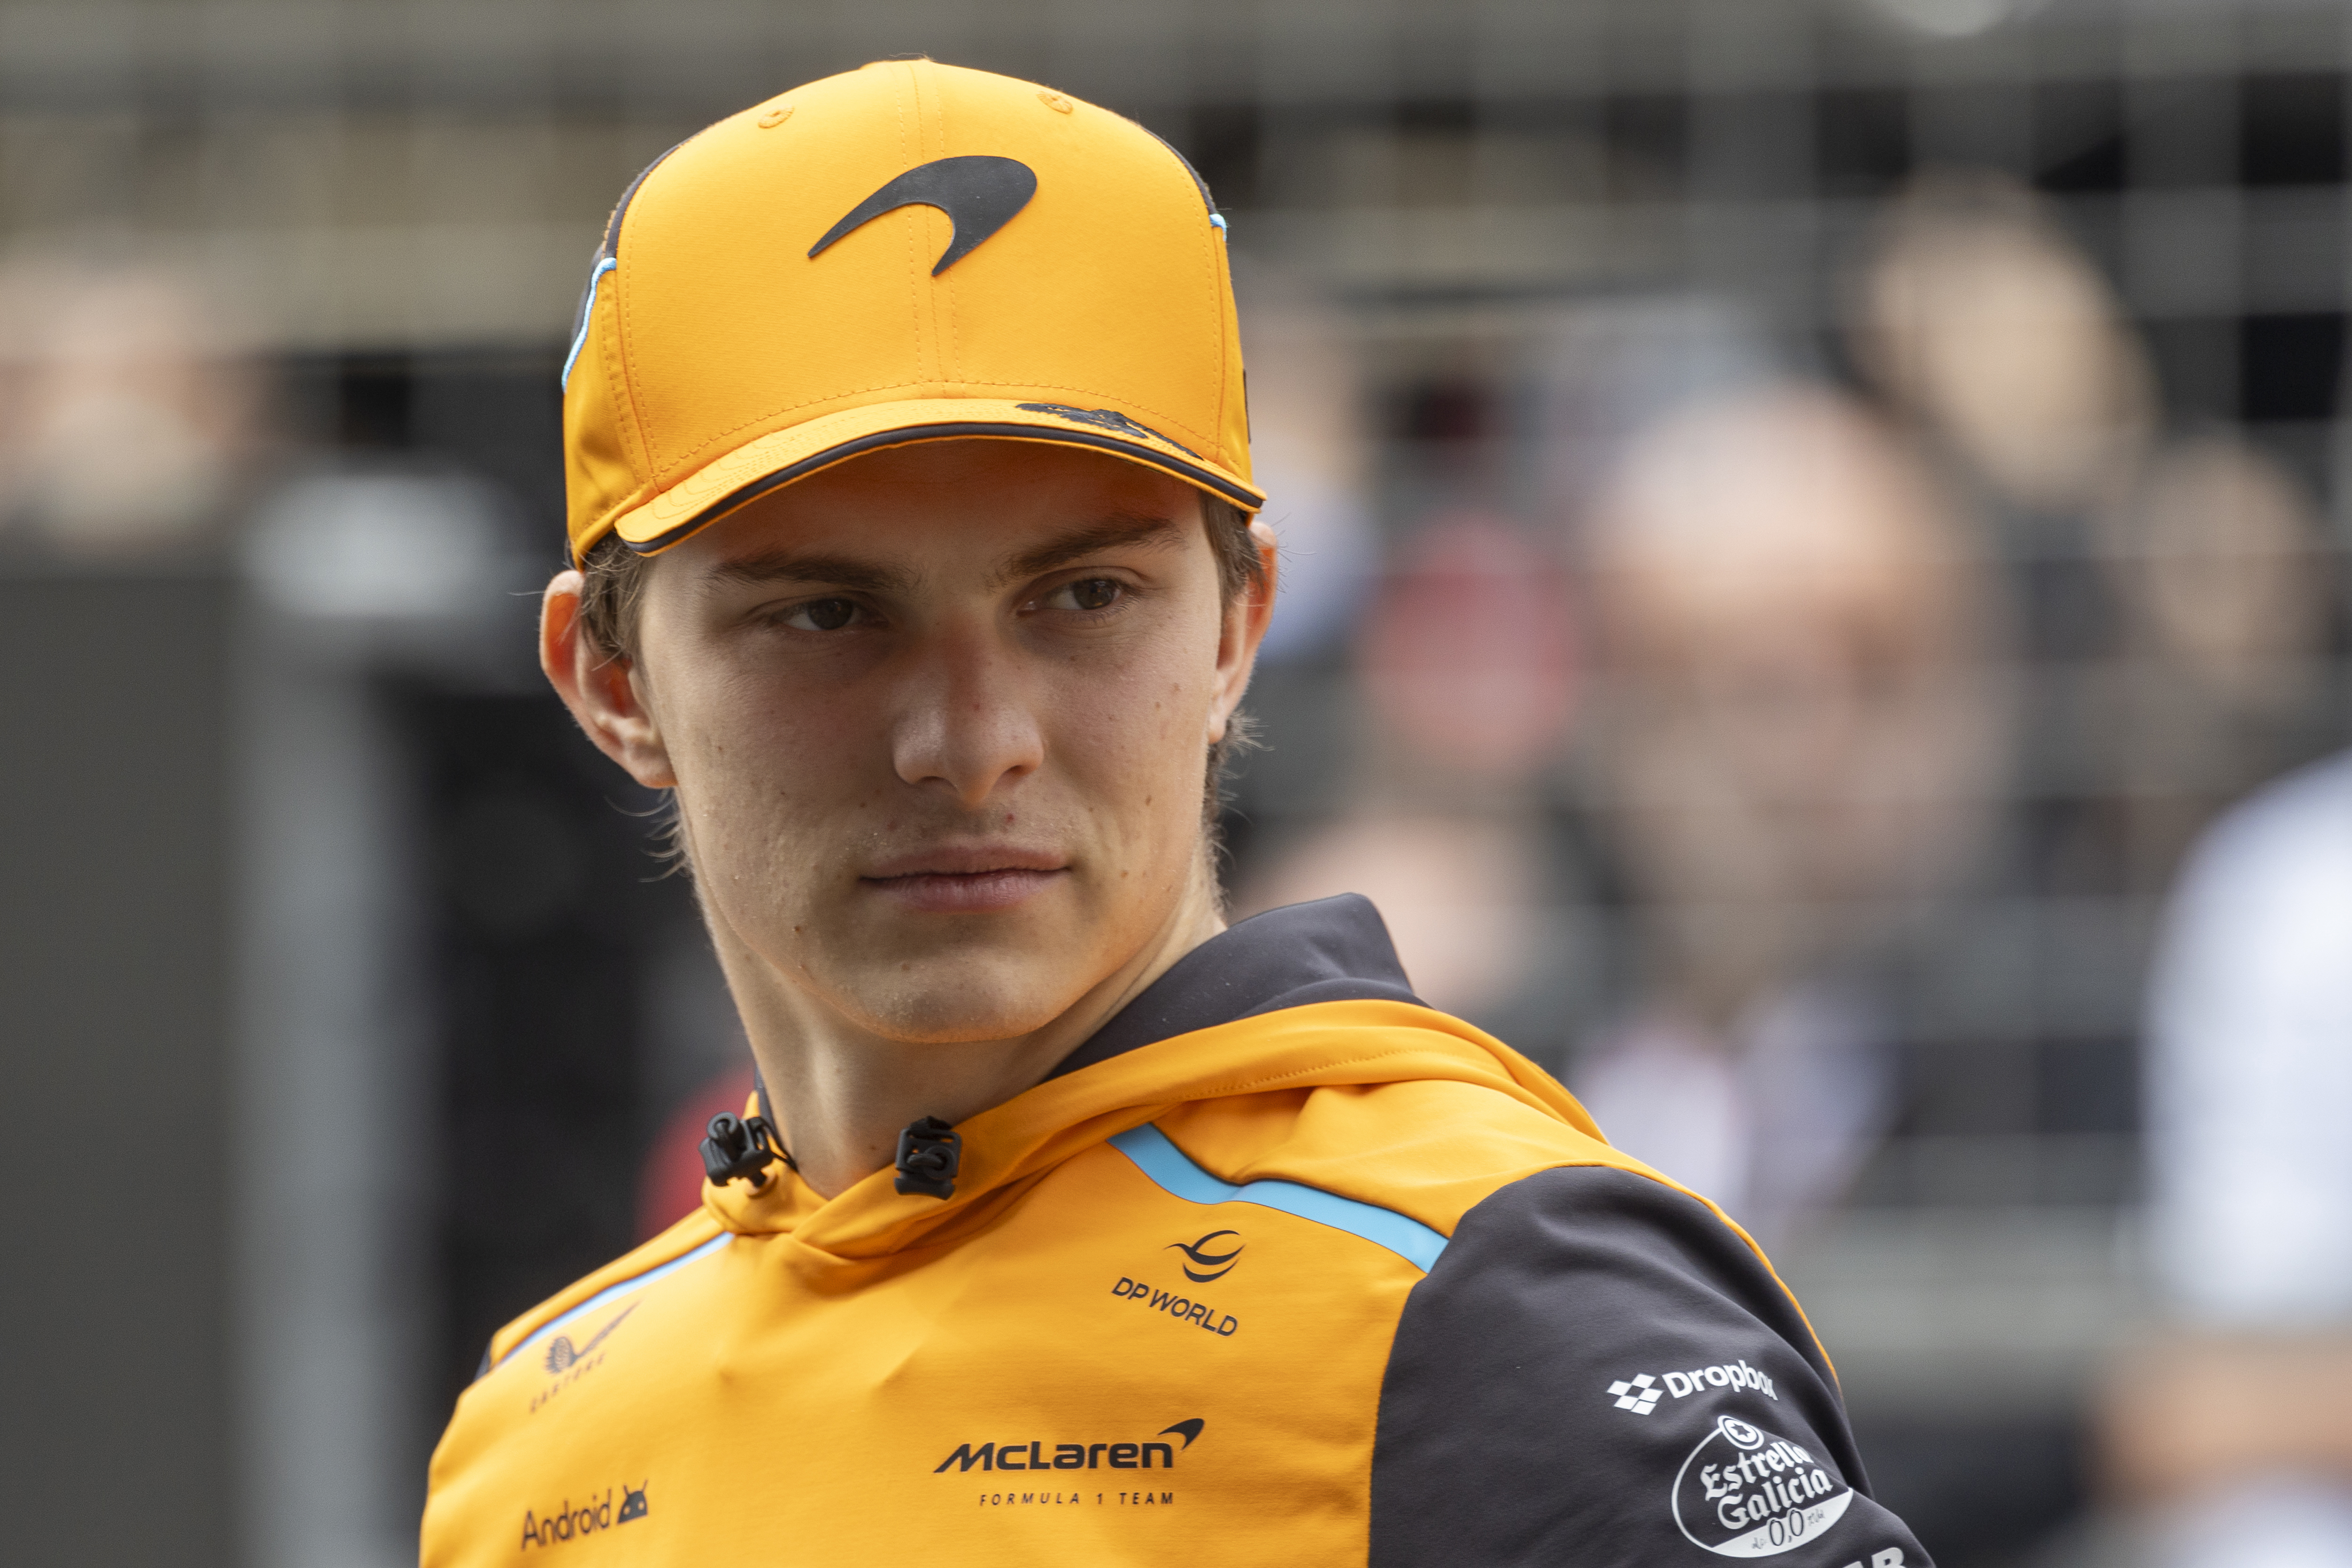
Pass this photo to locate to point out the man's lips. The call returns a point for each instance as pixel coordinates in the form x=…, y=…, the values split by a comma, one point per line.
x=966, y=880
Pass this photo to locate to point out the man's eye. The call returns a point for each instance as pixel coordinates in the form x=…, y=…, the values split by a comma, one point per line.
x=820, y=614
x=1088, y=593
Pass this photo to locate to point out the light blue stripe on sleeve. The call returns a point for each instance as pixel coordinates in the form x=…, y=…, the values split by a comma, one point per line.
x=587, y=315
x=1157, y=1157
x=612, y=1293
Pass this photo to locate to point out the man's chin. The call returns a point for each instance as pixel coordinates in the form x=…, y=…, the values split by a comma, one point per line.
x=946, y=1014
x=993, y=984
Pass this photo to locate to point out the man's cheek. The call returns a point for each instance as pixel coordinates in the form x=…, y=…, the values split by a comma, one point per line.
x=1127, y=766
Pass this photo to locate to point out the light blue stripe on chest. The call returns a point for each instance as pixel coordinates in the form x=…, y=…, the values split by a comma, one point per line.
x=612, y=1293
x=1158, y=1158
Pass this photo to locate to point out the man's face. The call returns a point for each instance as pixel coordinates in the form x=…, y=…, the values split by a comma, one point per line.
x=937, y=720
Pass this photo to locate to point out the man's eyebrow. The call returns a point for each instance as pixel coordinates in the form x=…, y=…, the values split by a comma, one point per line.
x=784, y=566
x=1120, y=531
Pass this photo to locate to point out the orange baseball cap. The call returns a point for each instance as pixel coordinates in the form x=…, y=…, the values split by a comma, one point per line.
x=908, y=252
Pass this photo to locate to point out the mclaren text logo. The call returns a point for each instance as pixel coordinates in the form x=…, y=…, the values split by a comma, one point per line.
x=593, y=1517
x=1744, y=1492
x=1211, y=1257
x=1641, y=1394
x=1037, y=1454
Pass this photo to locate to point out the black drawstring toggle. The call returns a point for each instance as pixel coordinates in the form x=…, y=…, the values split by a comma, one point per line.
x=928, y=1152
x=743, y=1148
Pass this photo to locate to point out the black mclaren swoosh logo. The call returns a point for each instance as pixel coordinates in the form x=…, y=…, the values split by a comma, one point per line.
x=1212, y=1264
x=980, y=194
x=1188, y=1430
x=560, y=1353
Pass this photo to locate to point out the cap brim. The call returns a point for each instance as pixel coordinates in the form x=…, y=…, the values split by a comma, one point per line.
x=781, y=457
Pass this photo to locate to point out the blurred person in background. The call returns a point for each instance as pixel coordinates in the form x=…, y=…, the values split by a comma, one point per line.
x=127, y=411
x=1989, y=327
x=1310, y=446
x=1431, y=697
x=2236, y=1428
x=2180, y=564
x=1793, y=747
x=2227, y=594
x=1464, y=669
x=2180, y=572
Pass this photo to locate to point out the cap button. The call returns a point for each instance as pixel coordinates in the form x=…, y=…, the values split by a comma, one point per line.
x=775, y=117
x=1055, y=101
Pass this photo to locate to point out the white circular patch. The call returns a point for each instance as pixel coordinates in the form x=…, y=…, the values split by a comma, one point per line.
x=1744, y=1492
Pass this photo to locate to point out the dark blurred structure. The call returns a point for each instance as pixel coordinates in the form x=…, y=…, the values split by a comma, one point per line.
x=340, y=963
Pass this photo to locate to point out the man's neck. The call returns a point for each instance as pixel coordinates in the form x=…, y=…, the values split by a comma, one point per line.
x=842, y=1094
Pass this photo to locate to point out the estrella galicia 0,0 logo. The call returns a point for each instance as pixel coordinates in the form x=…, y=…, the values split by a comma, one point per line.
x=1744, y=1492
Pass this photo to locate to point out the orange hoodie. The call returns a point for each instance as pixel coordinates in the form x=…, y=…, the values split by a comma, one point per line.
x=1282, y=1267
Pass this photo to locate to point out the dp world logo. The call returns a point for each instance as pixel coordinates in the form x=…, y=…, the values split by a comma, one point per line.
x=1210, y=1258
x=1640, y=1396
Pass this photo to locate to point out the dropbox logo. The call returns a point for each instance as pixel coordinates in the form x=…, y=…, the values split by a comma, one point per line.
x=1640, y=1396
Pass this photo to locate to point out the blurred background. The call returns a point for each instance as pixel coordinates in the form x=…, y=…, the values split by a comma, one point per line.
x=1799, y=517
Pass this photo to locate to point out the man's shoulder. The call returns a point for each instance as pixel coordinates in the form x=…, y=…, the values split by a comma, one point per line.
x=690, y=1239
x=1433, y=1148
x=1600, y=1370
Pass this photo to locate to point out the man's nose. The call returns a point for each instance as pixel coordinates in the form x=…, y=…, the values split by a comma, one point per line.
x=967, y=721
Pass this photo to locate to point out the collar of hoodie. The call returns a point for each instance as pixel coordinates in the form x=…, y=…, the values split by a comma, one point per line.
x=1304, y=997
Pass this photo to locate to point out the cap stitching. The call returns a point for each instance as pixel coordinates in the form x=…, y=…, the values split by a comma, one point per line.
x=913, y=221
x=622, y=389
x=621, y=298
x=1208, y=254
x=627, y=415
x=1227, y=330
x=721, y=436
x=1229, y=337
x=1175, y=468
x=944, y=304
x=1189, y=472
x=1210, y=248
x=931, y=139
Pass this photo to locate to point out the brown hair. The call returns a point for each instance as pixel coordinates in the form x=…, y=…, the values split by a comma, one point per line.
x=613, y=581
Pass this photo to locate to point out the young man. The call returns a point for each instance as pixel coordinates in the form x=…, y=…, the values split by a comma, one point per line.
x=909, y=489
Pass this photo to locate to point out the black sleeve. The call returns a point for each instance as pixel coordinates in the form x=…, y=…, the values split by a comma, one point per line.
x=1599, y=1373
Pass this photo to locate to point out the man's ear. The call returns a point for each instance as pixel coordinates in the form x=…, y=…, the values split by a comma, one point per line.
x=1245, y=622
x=599, y=688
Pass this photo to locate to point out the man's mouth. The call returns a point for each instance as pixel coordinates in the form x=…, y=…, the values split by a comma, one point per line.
x=966, y=881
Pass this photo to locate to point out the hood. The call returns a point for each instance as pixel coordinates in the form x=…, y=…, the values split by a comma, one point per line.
x=1306, y=997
